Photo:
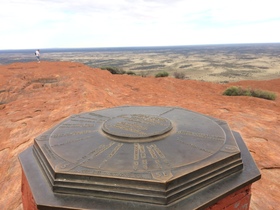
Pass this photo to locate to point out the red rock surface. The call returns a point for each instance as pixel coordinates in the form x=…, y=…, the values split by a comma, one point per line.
x=36, y=96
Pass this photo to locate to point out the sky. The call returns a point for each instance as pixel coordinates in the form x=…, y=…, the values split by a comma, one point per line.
x=28, y=24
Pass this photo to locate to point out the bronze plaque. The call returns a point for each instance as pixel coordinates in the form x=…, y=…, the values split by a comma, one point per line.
x=137, y=126
x=146, y=154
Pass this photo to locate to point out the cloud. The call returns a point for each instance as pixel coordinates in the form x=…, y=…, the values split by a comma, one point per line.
x=97, y=23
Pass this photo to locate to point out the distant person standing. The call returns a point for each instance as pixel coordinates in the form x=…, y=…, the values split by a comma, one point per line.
x=37, y=54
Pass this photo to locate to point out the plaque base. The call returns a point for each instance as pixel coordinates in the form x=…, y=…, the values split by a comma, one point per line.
x=37, y=192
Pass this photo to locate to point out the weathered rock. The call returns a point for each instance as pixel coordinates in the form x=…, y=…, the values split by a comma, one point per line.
x=36, y=96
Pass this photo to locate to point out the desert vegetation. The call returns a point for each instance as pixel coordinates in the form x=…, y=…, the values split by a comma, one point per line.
x=162, y=74
x=130, y=72
x=217, y=63
x=113, y=70
x=179, y=75
x=239, y=91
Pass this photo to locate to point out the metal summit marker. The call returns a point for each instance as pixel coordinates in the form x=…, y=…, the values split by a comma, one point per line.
x=136, y=157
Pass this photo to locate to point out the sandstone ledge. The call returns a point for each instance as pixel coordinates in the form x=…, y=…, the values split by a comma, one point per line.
x=36, y=96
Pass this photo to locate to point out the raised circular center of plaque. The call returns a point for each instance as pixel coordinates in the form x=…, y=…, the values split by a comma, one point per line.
x=137, y=126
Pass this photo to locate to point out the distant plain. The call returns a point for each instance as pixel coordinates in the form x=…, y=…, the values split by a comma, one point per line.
x=213, y=63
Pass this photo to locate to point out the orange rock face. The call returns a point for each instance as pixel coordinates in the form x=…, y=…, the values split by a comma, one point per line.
x=36, y=96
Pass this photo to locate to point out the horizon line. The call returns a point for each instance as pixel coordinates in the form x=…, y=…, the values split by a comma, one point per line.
x=148, y=46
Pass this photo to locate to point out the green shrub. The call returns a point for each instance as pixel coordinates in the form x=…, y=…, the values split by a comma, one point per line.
x=233, y=91
x=263, y=94
x=179, y=75
x=162, y=74
x=130, y=73
x=238, y=91
x=113, y=70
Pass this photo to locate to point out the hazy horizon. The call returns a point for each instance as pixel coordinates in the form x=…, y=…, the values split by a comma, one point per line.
x=137, y=47
x=232, y=61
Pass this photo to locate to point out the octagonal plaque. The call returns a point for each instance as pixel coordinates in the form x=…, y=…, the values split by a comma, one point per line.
x=154, y=155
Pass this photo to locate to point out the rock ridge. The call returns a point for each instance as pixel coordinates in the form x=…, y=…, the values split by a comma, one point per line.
x=36, y=96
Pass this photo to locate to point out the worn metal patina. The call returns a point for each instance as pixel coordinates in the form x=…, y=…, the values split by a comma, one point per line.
x=148, y=157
